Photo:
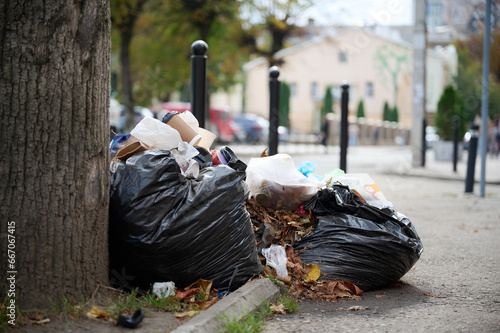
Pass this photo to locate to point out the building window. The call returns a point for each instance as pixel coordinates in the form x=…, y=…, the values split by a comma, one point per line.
x=435, y=14
x=369, y=90
x=343, y=57
x=314, y=90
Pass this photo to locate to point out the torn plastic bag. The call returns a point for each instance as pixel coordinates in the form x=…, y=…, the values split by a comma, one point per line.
x=277, y=184
x=353, y=241
x=276, y=258
x=165, y=227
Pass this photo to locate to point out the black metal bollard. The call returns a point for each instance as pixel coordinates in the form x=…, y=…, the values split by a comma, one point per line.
x=424, y=142
x=455, y=122
x=344, y=125
x=471, y=160
x=274, y=92
x=199, y=80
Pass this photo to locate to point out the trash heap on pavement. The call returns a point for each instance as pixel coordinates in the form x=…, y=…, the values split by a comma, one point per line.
x=181, y=212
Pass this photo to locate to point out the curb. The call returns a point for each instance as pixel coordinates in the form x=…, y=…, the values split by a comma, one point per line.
x=244, y=300
x=439, y=176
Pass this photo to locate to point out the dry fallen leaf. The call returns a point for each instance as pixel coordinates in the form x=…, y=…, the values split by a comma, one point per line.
x=314, y=273
x=278, y=308
x=37, y=316
x=202, y=285
x=206, y=304
x=180, y=295
x=96, y=312
x=43, y=321
x=183, y=315
x=288, y=279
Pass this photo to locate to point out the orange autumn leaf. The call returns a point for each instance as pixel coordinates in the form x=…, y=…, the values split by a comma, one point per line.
x=180, y=295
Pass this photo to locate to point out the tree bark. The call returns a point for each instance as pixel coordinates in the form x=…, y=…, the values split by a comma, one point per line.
x=54, y=156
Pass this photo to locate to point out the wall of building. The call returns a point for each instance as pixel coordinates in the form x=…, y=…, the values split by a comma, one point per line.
x=312, y=66
x=357, y=58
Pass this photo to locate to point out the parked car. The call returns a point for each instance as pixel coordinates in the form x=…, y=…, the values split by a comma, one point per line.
x=251, y=127
x=220, y=121
x=256, y=128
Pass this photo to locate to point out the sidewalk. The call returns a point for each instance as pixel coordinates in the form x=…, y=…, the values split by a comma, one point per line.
x=380, y=159
x=393, y=160
x=444, y=170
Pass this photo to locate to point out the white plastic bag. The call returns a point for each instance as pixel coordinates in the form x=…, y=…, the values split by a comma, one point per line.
x=365, y=186
x=164, y=289
x=156, y=134
x=276, y=183
x=276, y=258
x=183, y=156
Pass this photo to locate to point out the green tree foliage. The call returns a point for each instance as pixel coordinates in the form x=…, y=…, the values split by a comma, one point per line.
x=386, y=112
x=276, y=21
x=494, y=100
x=361, y=110
x=450, y=105
x=327, y=102
x=161, y=48
x=469, y=77
x=468, y=82
x=284, y=112
x=394, y=114
x=474, y=45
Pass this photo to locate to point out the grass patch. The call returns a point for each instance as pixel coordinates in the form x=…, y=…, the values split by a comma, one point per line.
x=106, y=304
x=169, y=304
x=276, y=281
x=70, y=308
x=128, y=303
x=253, y=322
x=289, y=303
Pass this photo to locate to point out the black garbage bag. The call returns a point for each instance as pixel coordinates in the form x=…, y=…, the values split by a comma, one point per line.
x=165, y=227
x=356, y=242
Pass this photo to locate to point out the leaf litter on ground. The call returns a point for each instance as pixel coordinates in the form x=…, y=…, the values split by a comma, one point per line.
x=304, y=281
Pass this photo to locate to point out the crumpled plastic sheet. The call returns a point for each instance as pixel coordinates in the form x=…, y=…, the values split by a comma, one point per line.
x=276, y=258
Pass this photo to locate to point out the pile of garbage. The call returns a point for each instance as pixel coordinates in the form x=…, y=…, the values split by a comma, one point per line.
x=181, y=212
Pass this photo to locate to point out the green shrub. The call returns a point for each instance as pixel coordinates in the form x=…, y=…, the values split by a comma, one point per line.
x=450, y=105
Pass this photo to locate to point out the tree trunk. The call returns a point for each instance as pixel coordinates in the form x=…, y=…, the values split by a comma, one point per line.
x=54, y=138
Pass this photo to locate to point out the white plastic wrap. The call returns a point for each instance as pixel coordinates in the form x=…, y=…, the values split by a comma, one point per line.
x=276, y=258
x=156, y=134
x=276, y=183
x=164, y=289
